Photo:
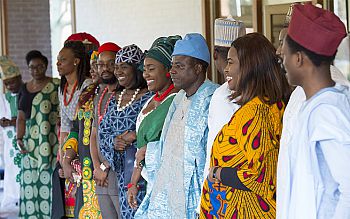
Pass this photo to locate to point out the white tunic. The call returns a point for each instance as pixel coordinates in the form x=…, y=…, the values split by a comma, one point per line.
x=311, y=167
x=221, y=110
x=9, y=203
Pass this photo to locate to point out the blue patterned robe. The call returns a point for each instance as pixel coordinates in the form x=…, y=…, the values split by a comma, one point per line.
x=196, y=131
x=113, y=124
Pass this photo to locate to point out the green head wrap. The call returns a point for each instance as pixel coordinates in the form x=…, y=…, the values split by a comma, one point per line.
x=162, y=48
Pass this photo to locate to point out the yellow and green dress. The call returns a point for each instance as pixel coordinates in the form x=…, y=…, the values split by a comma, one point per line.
x=86, y=203
x=248, y=146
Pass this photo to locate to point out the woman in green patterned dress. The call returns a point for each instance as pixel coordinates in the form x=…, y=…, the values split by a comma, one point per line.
x=37, y=138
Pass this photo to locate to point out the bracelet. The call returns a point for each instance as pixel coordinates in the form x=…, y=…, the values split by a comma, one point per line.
x=131, y=185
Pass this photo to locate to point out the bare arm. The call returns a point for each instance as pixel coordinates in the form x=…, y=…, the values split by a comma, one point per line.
x=21, y=129
x=93, y=149
x=63, y=137
x=100, y=176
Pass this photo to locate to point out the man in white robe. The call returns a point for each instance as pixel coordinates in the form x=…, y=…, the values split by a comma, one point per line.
x=313, y=179
x=11, y=79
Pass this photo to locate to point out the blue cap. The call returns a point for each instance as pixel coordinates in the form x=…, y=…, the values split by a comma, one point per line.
x=193, y=45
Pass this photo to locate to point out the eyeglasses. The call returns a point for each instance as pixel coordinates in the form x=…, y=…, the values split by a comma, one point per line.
x=108, y=65
x=37, y=67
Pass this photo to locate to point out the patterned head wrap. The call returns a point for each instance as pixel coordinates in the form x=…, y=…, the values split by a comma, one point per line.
x=162, y=48
x=131, y=54
x=94, y=55
x=8, y=69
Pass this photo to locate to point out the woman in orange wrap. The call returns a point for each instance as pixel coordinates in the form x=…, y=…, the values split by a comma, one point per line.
x=242, y=176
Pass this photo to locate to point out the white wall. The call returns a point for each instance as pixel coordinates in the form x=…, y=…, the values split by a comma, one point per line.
x=137, y=21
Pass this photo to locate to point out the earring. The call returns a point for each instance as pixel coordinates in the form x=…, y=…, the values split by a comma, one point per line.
x=75, y=64
x=168, y=75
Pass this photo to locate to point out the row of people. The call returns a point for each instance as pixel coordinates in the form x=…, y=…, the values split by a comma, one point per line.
x=150, y=137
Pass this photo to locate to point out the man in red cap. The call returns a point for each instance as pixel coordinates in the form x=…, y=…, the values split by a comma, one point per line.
x=105, y=177
x=313, y=169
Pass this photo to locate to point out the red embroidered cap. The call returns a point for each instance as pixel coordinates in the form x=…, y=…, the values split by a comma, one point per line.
x=316, y=29
x=109, y=46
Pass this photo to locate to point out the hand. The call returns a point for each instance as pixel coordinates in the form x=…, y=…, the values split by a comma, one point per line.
x=60, y=173
x=210, y=175
x=120, y=143
x=132, y=196
x=130, y=136
x=5, y=122
x=68, y=171
x=100, y=177
x=21, y=146
x=140, y=156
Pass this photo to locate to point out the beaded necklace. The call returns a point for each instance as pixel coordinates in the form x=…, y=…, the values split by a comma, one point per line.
x=71, y=95
x=121, y=108
x=160, y=98
x=100, y=116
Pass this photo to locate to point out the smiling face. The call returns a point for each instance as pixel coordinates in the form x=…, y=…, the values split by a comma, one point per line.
x=281, y=37
x=93, y=71
x=232, y=69
x=183, y=72
x=37, y=68
x=125, y=74
x=13, y=84
x=66, y=62
x=155, y=74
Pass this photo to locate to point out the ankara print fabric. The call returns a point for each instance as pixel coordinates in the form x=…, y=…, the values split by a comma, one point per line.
x=115, y=123
x=38, y=164
x=250, y=144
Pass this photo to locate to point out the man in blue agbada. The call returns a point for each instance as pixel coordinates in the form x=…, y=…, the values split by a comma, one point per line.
x=180, y=163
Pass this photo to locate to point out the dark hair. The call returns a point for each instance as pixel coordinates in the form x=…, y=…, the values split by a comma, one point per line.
x=260, y=74
x=195, y=61
x=316, y=59
x=140, y=82
x=222, y=51
x=35, y=54
x=83, y=72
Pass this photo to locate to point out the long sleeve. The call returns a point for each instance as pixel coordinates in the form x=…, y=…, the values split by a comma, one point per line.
x=256, y=136
x=329, y=127
x=336, y=155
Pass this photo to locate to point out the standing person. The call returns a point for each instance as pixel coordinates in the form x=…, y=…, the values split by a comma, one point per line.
x=12, y=81
x=77, y=146
x=104, y=176
x=93, y=67
x=313, y=176
x=182, y=146
x=73, y=67
x=242, y=176
x=150, y=121
x=116, y=132
x=37, y=137
x=221, y=108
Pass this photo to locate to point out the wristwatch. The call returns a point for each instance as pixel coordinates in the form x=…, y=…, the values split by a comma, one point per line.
x=103, y=167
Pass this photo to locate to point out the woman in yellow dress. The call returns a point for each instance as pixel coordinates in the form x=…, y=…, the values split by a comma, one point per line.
x=242, y=176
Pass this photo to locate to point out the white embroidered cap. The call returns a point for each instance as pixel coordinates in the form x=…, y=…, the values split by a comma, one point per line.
x=227, y=30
